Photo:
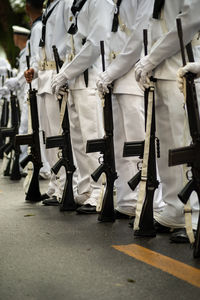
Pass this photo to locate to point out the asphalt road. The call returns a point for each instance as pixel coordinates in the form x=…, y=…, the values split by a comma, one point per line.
x=46, y=254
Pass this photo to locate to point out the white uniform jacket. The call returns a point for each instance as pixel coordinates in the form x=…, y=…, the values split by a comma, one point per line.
x=21, y=92
x=127, y=44
x=36, y=30
x=94, y=25
x=165, y=52
x=56, y=32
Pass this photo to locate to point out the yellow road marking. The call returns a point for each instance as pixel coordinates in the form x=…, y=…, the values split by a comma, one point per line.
x=162, y=262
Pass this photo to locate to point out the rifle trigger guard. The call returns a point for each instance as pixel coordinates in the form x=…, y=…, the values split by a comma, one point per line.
x=100, y=160
x=59, y=154
x=189, y=175
x=139, y=165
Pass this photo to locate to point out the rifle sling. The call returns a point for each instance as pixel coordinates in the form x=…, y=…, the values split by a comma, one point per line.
x=75, y=9
x=115, y=23
x=45, y=18
x=158, y=5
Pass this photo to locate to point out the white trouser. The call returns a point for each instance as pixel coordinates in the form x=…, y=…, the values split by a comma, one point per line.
x=23, y=129
x=85, y=124
x=170, y=131
x=49, y=119
x=128, y=115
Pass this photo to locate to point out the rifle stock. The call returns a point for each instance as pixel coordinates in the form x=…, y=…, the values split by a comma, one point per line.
x=107, y=213
x=145, y=225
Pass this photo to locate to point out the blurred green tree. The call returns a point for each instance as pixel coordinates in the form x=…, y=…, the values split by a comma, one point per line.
x=12, y=12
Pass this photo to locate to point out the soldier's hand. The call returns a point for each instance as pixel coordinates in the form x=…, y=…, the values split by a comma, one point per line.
x=28, y=74
x=4, y=91
x=190, y=67
x=58, y=82
x=103, y=82
x=143, y=71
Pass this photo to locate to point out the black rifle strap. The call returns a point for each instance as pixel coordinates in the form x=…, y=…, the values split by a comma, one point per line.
x=75, y=9
x=115, y=23
x=158, y=5
x=45, y=18
x=86, y=75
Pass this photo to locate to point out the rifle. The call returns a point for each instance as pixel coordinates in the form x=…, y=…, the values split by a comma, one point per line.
x=12, y=168
x=33, y=193
x=4, y=119
x=147, y=176
x=64, y=143
x=5, y=113
x=105, y=146
x=190, y=154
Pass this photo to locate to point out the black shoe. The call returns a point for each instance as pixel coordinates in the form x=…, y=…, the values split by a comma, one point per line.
x=179, y=235
x=161, y=228
x=51, y=201
x=119, y=215
x=44, y=196
x=86, y=209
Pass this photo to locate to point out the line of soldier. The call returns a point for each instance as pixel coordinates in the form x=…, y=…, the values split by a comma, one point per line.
x=76, y=27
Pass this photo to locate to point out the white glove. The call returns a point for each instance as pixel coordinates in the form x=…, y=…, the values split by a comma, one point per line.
x=190, y=67
x=143, y=71
x=14, y=72
x=3, y=71
x=4, y=91
x=12, y=83
x=103, y=81
x=57, y=83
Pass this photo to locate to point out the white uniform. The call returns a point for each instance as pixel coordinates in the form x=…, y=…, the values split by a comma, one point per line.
x=56, y=31
x=34, y=47
x=165, y=55
x=125, y=48
x=4, y=66
x=84, y=104
x=18, y=85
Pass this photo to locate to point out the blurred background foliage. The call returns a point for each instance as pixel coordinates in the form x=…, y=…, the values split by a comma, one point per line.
x=12, y=12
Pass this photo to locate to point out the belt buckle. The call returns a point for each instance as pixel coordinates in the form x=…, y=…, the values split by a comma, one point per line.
x=113, y=55
x=43, y=65
x=70, y=57
x=123, y=27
